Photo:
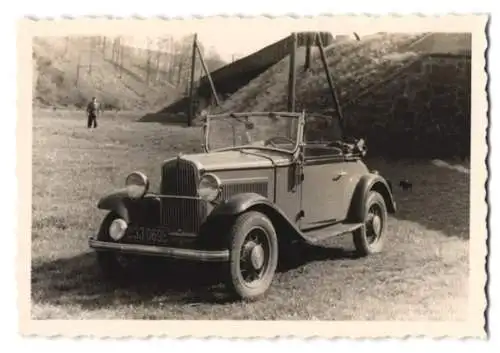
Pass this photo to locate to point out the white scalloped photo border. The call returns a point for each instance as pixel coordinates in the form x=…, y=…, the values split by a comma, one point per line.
x=473, y=327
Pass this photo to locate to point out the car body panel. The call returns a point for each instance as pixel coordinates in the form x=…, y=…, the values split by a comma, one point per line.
x=115, y=201
x=367, y=183
x=328, y=203
x=236, y=160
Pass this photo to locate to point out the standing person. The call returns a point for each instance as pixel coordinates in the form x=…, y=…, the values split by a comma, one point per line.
x=92, y=110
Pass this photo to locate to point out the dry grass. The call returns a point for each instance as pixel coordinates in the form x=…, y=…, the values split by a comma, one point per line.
x=352, y=63
x=423, y=273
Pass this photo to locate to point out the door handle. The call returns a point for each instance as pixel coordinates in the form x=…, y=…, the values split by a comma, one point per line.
x=339, y=175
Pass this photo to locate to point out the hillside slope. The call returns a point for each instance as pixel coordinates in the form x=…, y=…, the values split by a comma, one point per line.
x=409, y=91
x=69, y=74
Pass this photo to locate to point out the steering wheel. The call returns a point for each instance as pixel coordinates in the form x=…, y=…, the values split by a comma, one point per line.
x=270, y=140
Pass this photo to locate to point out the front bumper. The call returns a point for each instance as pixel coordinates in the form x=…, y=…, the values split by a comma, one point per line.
x=162, y=251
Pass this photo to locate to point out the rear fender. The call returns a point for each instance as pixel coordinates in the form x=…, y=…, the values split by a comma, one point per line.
x=366, y=184
x=245, y=202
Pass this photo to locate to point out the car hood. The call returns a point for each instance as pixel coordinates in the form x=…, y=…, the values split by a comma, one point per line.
x=237, y=159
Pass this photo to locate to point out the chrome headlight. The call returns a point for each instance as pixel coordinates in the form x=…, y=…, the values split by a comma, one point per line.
x=209, y=187
x=117, y=229
x=137, y=185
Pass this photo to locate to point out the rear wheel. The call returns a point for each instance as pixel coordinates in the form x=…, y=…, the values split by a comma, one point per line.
x=370, y=238
x=253, y=255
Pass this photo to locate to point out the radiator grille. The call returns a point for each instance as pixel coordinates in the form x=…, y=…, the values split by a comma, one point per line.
x=180, y=178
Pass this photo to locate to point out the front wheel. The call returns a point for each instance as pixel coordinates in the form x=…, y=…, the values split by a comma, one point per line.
x=370, y=238
x=253, y=255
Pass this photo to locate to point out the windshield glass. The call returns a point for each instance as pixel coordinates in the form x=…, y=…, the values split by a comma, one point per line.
x=274, y=131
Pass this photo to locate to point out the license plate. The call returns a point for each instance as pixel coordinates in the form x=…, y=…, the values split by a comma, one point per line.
x=143, y=235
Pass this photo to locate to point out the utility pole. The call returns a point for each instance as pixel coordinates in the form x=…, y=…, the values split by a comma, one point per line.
x=329, y=78
x=191, y=81
x=309, y=40
x=292, y=74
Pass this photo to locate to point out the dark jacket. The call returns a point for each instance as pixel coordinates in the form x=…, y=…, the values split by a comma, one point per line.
x=93, y=108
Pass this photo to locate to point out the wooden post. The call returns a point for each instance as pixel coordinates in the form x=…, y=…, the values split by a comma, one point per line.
x=212, y=86
x=191, y=82
x=307, y=63
x=291, y=75
x=330, y=80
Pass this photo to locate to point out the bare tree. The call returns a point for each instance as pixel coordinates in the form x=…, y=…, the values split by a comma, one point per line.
x=78, y=69
x=92, y=44
x=214, y=60
x=103, y=48
x=164, y=58
x=157, y=59
x=148, y=60
x=66, y=45
x=120, y=58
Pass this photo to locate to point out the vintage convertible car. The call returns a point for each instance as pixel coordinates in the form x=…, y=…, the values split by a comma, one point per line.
x=264, y=180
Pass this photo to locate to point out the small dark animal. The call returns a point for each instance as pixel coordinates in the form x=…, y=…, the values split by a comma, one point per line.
x=405, y=185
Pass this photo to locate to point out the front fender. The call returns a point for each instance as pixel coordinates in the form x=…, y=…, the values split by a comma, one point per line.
x=116, y=202
x=250, y=201
x=366, y=184
x=239, y=203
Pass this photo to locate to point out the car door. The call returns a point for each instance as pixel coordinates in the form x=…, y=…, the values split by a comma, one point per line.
x=323, y=185
x=325, y=173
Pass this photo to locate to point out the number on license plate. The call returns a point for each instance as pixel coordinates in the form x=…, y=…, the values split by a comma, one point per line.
x=148, y=235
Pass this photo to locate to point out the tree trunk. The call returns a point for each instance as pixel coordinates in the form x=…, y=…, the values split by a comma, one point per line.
x=104, y=47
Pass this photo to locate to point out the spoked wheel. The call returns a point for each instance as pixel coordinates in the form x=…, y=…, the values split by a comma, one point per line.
x=371, y=239
x=373, y=224
x=254, y=255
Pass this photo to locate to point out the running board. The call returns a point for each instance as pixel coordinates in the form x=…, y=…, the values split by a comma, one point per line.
x=318, y=235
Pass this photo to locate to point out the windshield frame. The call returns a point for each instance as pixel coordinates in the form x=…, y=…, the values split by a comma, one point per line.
x=299, y=116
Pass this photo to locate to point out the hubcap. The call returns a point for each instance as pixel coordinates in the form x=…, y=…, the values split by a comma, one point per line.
x=254, y=256
x=376, y=225
x=257, y=257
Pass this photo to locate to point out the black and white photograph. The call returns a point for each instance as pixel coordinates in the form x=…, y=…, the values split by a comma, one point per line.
x=261, y=170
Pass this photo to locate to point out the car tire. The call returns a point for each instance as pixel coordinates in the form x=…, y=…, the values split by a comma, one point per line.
x=370, y=238
x=253, y=255
x=109, y=262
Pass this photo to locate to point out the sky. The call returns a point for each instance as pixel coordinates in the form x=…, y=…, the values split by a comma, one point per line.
x=229, y=36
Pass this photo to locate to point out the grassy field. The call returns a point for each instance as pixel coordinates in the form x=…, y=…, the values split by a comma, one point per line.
x=422, y=275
